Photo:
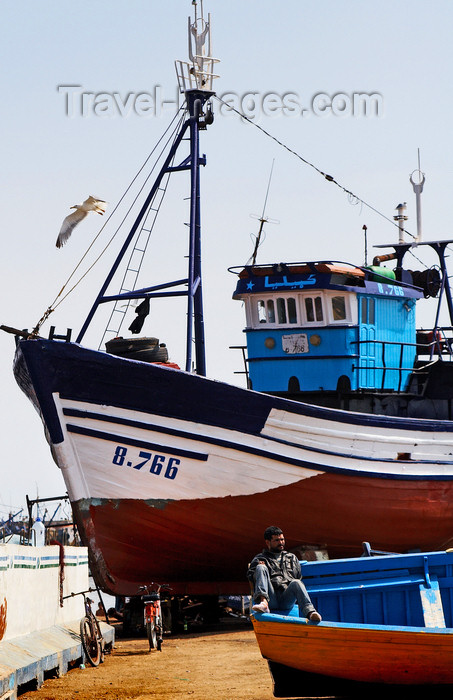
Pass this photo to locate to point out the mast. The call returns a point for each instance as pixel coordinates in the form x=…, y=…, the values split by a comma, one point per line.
x=195, y=81
x=434, y=282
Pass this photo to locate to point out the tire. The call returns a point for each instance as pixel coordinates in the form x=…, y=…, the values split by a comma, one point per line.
x=91, y=644
x=101, y=640
x=157, y=354
x=121, y=346
x=152, y=635
x=167, y=621
x=143, y=349
x=159, y=633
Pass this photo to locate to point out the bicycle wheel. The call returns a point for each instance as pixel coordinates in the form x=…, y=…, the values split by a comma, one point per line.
x=90, y=641
x=101, y=639
x=159, y=635
x=151, y=634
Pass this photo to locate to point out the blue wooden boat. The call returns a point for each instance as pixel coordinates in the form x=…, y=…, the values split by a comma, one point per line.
x=387, y=620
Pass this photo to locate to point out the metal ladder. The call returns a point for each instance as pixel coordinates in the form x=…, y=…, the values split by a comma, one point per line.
x=130, y=277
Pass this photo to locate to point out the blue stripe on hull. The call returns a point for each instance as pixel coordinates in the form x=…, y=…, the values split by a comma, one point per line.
x=123, y=440
x=238, y=447
x=141, y=425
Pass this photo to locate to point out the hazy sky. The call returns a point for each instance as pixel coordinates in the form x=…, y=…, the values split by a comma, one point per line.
x=276, y=59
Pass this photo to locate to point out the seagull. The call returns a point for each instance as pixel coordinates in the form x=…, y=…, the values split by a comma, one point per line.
x=81, y=210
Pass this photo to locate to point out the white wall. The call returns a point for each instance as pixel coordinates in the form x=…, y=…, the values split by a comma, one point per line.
x=30, y=587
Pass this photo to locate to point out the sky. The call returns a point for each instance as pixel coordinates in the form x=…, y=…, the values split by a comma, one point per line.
x=293, y=68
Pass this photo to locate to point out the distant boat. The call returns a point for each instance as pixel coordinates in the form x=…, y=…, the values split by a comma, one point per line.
x=387, y=621
x=343, y=433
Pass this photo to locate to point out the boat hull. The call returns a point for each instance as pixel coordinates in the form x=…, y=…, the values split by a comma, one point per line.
x=337, y=654
x=173, y=477
x=387, y=621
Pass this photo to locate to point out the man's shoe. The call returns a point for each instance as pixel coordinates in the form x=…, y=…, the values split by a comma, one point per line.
x=262, y=607
x=314, y=616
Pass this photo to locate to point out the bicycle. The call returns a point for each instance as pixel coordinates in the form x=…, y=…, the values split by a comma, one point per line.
x=152, y=611
x=93, y=643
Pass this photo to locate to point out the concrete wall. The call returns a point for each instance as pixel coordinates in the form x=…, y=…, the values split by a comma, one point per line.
x=30, y=588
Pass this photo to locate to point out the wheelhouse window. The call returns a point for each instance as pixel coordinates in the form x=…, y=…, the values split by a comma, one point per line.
x=286, y=310
x=339, y=308
x=266, y=312
x=281, y=311
x=363, y=310
x=313, y=309
x=270, y=311
x=292, y=311
x=367, y=310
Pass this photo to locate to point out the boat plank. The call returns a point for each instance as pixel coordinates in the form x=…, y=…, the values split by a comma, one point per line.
x=359, y=653
x=433, y=612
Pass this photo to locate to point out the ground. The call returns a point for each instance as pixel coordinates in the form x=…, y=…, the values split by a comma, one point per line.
x=206, y=666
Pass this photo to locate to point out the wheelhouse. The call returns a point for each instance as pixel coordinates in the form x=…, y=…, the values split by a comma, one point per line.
x=325, y=326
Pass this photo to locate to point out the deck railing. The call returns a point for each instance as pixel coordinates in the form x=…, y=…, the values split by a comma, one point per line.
x=440, y=345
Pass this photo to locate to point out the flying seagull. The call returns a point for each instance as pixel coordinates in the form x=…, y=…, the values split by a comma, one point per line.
x=81, y=210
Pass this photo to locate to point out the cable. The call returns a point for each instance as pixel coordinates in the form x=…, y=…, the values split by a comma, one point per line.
x=119, y=226
x=54, y=304
x=327, y=177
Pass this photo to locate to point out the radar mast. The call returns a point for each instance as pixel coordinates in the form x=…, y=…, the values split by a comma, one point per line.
x=198, y=72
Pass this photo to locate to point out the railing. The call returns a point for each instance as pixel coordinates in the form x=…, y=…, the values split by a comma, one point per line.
x=243, y=349
x=441, y=344
x=7, y=535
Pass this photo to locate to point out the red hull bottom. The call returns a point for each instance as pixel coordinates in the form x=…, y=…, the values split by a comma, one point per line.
x=203, y=546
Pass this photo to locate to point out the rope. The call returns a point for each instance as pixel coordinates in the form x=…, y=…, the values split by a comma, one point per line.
x=54, y=304
x=137, y=237
x=354, y=199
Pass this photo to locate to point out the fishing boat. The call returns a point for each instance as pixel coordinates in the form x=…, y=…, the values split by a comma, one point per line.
x=387, y=622
x=342, y=433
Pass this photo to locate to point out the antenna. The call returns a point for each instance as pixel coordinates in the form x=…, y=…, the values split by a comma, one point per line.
x=262, y=219
x=197, y=74
x=418, y=189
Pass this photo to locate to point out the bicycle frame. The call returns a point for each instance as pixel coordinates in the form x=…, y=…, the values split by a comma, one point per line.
x=91, y=638
x=152, y=614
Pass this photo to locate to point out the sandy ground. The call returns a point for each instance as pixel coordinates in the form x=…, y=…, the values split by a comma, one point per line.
x=207, y=666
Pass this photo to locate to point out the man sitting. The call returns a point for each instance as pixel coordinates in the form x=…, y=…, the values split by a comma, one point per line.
x=276, y=577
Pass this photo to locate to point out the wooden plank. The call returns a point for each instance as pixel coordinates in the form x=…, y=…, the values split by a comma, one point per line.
x=362, y=653
x=433, y=612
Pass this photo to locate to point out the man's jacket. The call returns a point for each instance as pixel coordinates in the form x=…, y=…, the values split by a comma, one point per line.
x=283, y=568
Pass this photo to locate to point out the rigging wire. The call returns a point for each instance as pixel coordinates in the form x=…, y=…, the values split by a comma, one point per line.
x=163, y=188
x=352, y=197
x=57, y=303
x=327, y=177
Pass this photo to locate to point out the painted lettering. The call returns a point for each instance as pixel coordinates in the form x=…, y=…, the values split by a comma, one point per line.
x=158, y=464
